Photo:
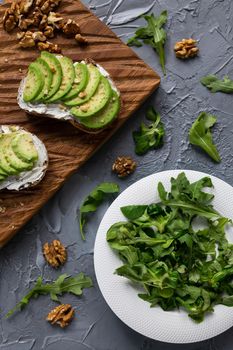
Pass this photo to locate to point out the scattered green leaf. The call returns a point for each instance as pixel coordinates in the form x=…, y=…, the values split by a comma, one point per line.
x=217, y=85
x=153, y=34
x=176, y=265
x=149, y=136
x=200, y=135
x=64, y=284
x=93, y=200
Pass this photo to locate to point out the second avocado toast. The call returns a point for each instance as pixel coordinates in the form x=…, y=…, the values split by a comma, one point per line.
x=81, y=92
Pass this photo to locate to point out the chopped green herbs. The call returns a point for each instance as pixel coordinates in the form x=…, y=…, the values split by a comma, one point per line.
x=153, y=34
x=200, y=135
x=93, y=200
x=149, y=136
x=178, y=265
x=214, y=84
x=64, y=284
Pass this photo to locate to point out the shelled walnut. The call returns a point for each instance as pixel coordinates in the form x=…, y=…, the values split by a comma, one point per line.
x=55, y=253
x=40, y=16
x=124, y=166
x=61, y=315
x=186, y=48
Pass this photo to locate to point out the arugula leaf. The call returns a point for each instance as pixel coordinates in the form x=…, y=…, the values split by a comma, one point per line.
x=153, y=35
x=64, y=284
x=214, y=84
x=177, y=266
x=93, y=200
x=133, y=212
x=200, y=135
x=149, y=136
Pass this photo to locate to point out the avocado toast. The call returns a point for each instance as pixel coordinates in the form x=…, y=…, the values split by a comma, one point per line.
x=23, y=158
x=80, y=92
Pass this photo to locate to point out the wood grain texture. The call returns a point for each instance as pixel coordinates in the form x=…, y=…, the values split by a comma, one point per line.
x=68, y=147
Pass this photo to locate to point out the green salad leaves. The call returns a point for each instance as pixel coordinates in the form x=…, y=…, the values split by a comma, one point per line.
x=93, y=200
x=200, y=135
x=64, y=284
x=180, y=261
x=149, y=136
x=153, y=34
x=217, y=85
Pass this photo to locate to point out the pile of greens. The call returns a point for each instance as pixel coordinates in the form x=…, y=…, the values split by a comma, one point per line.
x=178, y=265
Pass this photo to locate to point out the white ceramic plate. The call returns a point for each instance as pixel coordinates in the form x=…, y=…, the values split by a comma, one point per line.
x=121, y=295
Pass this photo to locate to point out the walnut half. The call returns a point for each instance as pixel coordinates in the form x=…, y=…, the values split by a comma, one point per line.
x=124, y=166
x=48, y=46
x=61, y=315
x=186, y=48
x=55, y=253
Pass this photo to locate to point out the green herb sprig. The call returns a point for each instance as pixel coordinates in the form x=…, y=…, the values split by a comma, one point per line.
x=153, y=34
x=149, y=137
x=177, y=265
x=64, y=284
x=214, y=84
x=200, y=135
x=93, y=200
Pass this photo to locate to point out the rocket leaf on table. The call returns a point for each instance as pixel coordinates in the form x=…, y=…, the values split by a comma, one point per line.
x=64, y=284
x=214, y=84
x=93, y=200
x=200, y=135
x=149, y=136
x=153, y=34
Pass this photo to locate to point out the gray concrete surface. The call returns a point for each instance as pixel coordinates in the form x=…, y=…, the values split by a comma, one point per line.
x=179, y=99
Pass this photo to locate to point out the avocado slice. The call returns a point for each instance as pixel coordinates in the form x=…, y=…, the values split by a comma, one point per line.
x=24, y=148
x=68, y=75
x=56, y=70
x=96, y=102
x=48, y=77
x=2, y=177
x=34, y=83
x=93, y=82
x=5, y=142
x=80, y=81
x=12, y=158
x=105, y=116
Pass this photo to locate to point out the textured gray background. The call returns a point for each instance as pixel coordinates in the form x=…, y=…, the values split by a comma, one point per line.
x=179, y=99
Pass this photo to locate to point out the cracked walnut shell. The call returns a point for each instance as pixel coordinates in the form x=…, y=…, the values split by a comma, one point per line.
x=55, y=253
x=186, y=48
x=61, y=315
x=124, y=166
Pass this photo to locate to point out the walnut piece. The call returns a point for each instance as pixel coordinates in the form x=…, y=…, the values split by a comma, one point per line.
x=38, y=36
x=61, y=315
x=70, y=28
x=11, y=17
x=55, y=253
x=55, y=19
x=80, y=39
x=124, y=166
x=48, y=46
x=27, y=40
x=24, y=23
x=25, y=6
x=186, y=48
x=37, y=16
x=49, y=32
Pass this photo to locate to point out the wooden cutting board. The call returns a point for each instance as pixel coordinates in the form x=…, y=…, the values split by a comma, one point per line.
x=68, y=147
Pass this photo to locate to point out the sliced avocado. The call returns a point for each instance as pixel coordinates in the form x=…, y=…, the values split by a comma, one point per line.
x=93, y=82
x=2, y=177
x=13, y=160
x=5, y=142
x=80, y=81
x=68, y=75
x=23, y=146
x=105, y=116
x=55, y=68
x=96, y=102
x=34, y=82
x=2, y=172
x=48, y=77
